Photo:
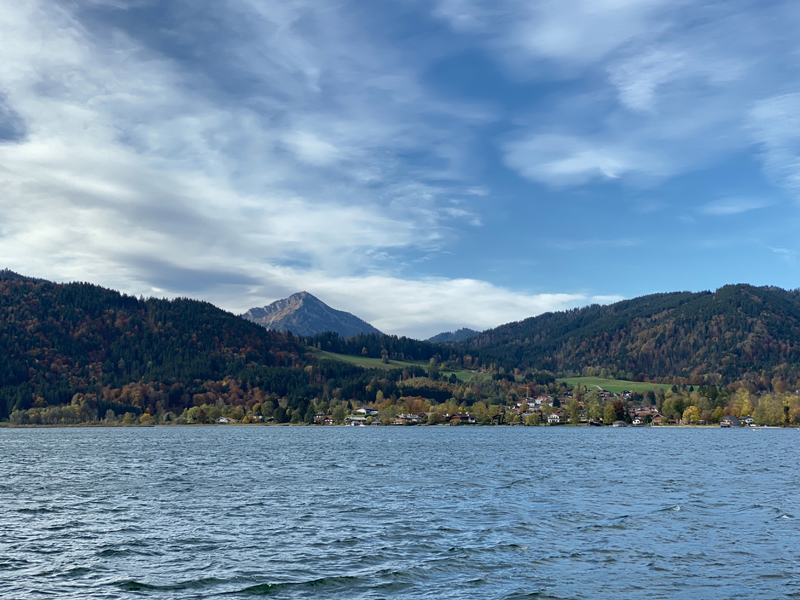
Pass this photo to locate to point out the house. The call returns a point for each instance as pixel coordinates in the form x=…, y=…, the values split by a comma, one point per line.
x=462, y=419
x=748, y=421
x=730, y=421
x=327, y=421
x=553, y=419
x=637, y=421
x=355, y=421
x=407, y=420
x=225, y=420
x=619, y=424
x=368, y=412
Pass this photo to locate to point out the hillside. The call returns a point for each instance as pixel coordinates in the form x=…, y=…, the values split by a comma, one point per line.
x=738, y=329
x=453, y=336
x=60, y=340
x=306, y=315
x=78, y=353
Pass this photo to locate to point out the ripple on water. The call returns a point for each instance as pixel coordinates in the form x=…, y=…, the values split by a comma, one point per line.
x=417, y=513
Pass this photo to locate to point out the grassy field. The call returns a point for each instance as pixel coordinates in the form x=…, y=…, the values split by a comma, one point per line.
x=367, y=363
x=613, y=385
x=376, y=363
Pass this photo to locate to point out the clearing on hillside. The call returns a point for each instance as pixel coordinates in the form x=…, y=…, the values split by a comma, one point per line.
x=614, y=385
x=377, y=363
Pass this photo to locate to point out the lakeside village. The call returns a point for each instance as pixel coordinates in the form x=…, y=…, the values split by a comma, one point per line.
x=577, y=407
x=542, y=410
x=499, y=399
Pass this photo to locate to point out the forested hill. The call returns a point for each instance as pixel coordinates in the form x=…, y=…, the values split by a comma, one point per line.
x=58, y=340
x=460, y=335
x=736, y=330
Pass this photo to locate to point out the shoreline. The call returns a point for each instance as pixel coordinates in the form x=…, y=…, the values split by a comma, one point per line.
x=224, y=425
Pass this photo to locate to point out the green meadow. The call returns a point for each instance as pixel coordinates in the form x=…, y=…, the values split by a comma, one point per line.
x=613, y=385
x=377, y=363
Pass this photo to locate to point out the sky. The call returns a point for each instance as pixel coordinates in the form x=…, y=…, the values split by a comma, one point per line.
x=426, y=165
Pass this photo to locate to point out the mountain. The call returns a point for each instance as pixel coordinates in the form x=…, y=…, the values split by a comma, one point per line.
x=453, y=336
x=738, y=329
x=79, y=353
x=306, y=315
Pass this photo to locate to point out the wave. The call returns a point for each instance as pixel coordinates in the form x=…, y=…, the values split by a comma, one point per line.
x=318, y=585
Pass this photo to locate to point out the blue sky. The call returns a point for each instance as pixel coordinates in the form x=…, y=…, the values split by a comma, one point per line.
x=425, y=165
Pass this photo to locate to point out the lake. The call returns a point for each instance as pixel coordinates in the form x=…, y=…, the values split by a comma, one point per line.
x=393, y=512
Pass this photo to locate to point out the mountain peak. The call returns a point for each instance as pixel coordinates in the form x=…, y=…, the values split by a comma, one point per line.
x=305, y=314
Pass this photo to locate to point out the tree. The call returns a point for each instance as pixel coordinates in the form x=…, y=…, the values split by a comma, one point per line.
x=593, y=410
x=532, y=419
x=574, y=411
x=129, y=418
x=384, y=356
x=338, y=415
x=691, y=415
x=609, y=415
x=433, y=368
x=717, y=415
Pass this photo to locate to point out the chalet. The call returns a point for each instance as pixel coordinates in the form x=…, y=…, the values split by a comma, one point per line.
x=619, y=424
x=730, y=421
x=328, y=421
x=462, y=419
x=368, y=412
x=225, y=420
x=637, y=421
x=553, y=419
x=355, y=421
x=407, y=420
x=748, y=421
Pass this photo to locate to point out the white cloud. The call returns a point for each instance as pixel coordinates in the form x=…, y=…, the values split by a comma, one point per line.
x=129, y=176
x=733, y=206
x=424, y=308
x=775, y=123
x=660, y=88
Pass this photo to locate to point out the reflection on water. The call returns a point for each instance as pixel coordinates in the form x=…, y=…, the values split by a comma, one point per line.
x=442, y=512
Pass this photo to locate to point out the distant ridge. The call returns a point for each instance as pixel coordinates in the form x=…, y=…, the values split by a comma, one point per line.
x=304, y=314
x=453, y=336
x=8, y=274
x=735, y=330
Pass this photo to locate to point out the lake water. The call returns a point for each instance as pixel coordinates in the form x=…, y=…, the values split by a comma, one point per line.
x=445, y=512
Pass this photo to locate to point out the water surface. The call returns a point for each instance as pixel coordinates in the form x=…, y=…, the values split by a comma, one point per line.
x=444, y=512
